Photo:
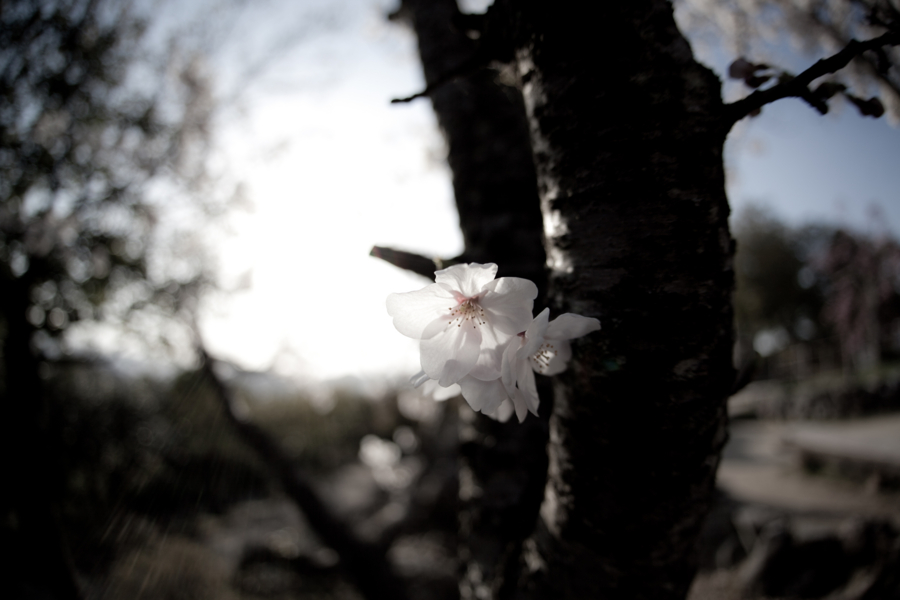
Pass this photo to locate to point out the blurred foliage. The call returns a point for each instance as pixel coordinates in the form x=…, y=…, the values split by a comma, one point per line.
x=203, y=464
x=830, y=294
x=775, y=284
x=170, y=568
x=324, y=438
x=146, y=457
x=109, y=444
x=101, y=133
x=863, y=296
x=91, y=119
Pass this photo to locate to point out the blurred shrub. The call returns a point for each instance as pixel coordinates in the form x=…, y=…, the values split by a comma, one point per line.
x=171, y=568
x=322, y=440
x=775, y=285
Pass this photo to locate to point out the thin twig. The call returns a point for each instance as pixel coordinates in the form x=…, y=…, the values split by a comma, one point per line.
x=410, y=261
x=798, y=87
x=464, y=68
x=365, y=563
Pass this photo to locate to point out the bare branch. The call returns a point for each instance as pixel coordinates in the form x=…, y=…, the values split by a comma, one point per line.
x=408, y=260
x=798, y=87
x=464, y=68
x=366, y=563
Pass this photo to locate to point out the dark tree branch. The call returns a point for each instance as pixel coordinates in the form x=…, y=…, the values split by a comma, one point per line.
x=365, y=563
x=493, y=45
x=466, y=67
x=798, y=87
x=410, y=261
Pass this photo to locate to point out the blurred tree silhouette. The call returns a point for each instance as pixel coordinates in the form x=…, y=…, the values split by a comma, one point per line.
x=862, y=301
x=776, y=287
x=90, y=119
x=817, y=284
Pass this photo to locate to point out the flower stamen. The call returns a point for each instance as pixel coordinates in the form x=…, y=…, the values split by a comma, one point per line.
x=467, y=310
x=541, y=359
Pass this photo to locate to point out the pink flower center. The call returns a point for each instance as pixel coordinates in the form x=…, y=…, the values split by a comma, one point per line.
x=541, y=359
x=468, y=310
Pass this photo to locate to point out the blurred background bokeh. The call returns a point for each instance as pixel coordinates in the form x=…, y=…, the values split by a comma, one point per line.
x=209, y=177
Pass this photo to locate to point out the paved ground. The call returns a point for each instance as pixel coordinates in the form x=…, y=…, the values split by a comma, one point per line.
x=761, y=465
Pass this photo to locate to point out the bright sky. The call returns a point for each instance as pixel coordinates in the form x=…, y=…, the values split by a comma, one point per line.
x=807, y=167
x=332, y=168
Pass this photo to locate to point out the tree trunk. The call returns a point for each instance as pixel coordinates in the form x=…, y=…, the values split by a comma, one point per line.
x=503, y=465
x=628, y=133
x=486, y=130
x=628, y=138
x=38, y=560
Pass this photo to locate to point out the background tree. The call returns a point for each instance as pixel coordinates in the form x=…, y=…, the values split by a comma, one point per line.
x=862, y=302
x=90, y=120
x=779, y=294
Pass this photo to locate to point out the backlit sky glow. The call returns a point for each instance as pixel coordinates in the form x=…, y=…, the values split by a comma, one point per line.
x=332, y=168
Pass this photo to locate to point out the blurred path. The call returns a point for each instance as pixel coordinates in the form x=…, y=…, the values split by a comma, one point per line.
x=762, y=464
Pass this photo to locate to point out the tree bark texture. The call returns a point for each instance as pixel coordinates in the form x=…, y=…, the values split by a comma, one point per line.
x=488, y=149
x=503, y=465
x=628, y=139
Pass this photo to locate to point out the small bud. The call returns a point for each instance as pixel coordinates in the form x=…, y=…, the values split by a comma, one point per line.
x=741, y=69
x=867, y=108
x=756, y=80
x=829, y=89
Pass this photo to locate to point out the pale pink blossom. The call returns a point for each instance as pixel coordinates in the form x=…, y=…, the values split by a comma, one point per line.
x=542, y=348
x=464, y=320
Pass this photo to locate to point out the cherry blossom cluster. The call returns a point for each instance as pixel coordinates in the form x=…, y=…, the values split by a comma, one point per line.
x=478, y=332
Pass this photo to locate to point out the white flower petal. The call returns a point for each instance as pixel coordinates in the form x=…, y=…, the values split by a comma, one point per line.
x=534, y=335
x=493, y=343
x=508, y=366
x=504, y=412
x=527, y=387
x=450, y=355
x=414, y=311
x=431, y=389
x=498, y=396
x=485, y=396
x=508, y=302
x=445, y=393
x=559, y=361
x=570, y=326
x=520, y=405
x=442, y=323
x=468, y=279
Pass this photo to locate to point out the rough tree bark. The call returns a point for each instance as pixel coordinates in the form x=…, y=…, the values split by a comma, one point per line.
x=503, y=465
x=628, y=133
x=484, y=124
